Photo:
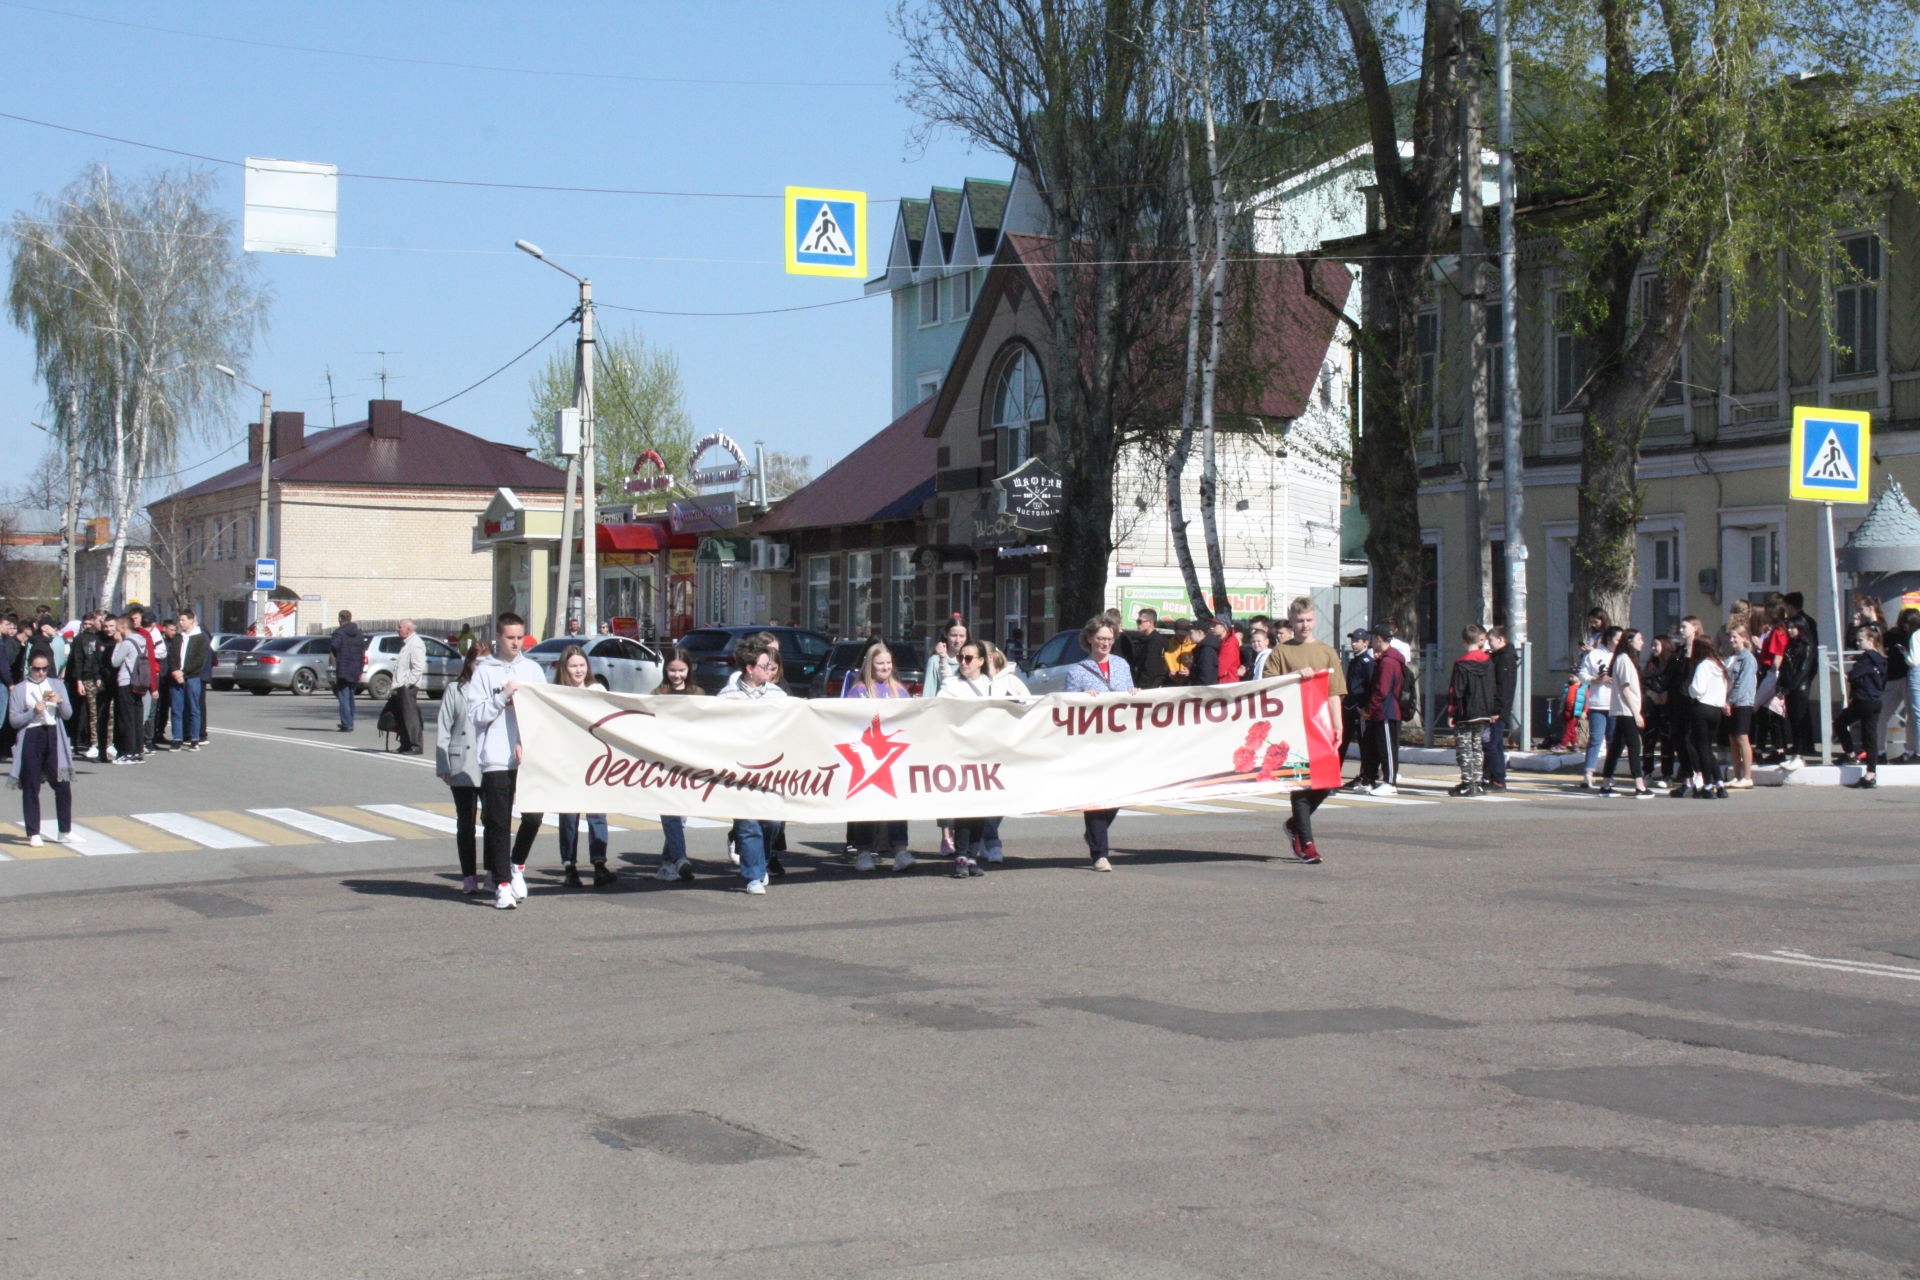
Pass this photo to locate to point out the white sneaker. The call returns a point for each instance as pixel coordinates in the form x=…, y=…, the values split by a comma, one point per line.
x=733, y=853
x=863, y=862
x=519, y=885
x=666, y=870
x=111, y=754
x=1101, y=864
x=1791, y=763
x=34, y=841
x=91, y=753
x=902, y=860
x=503, y=899
x=757, y=886
x=995, y=855
x=65, y=837
x=1385, y=789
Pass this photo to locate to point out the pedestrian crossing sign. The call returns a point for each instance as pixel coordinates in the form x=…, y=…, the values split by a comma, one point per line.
x=1832, y=451
x=826, y=232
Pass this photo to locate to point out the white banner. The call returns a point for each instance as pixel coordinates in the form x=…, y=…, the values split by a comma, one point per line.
x=861, y=760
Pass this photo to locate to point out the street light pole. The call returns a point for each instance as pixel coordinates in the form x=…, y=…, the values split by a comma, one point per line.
x=266, y=477
x=1512, y=464
x=586, y=467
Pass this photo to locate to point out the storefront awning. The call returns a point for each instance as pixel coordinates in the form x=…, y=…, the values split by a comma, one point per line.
x=641, y=536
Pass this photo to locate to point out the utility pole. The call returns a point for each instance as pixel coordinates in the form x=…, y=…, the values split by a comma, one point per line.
x=266, y=478
x=589, y=485
x=1473, y=289
x=70, y=531
x=1512, y=466
x=589, y=472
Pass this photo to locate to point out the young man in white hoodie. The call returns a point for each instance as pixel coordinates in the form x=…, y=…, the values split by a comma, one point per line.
x=757, y=669
x=495, y=681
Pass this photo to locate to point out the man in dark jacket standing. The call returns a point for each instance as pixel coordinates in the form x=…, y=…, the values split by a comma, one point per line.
x=1206, y=655
x=1506, y=682
x=188, y=681
x=1359, y=685
x=1145, y=650
x=349, y=648
x=1470, y=704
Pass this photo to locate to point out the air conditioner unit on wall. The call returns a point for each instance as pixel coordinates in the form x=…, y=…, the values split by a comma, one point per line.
x=766, y=555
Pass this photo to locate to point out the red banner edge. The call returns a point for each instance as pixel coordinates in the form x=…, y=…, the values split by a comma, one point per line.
x=1323, y=747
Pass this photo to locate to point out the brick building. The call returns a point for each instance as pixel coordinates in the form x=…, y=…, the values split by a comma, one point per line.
x=376, y=516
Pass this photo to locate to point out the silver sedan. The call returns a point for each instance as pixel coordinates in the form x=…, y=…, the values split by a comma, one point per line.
x=298, y=664
x=619, y=664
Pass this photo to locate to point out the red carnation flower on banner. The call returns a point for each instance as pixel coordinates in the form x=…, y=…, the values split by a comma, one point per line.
x=1250, y=749
x=1243, y=760
x=1276, y=760
x=1258, y=733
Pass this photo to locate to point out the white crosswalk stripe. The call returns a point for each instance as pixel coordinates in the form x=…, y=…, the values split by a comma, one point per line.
x=325, y=828
x=418, y=817
x=198, y=830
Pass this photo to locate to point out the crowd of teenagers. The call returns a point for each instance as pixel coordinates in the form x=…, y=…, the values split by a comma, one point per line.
x=105, y=688
x=1672, y=705
x=479, y=751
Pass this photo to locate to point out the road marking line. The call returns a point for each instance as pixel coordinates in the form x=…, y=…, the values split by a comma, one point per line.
x=198, y=830
x=1367, y=799
x=1864, y=964
x=1177, y=806
x=87, y=841
x=1842, y=967
x=326, y=828
x=139, y=837
x=445, y=823
x=364, y=752
x=369, y=821
x=248, y=825
x=21, y=851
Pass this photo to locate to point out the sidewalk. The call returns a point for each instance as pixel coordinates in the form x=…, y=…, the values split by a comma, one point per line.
x=1891, y=775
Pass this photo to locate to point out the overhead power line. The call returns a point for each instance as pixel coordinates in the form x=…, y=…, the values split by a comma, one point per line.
x=503, y=368
x=446, y=64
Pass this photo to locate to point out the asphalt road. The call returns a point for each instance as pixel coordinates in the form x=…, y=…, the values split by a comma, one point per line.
x=1552, y=1036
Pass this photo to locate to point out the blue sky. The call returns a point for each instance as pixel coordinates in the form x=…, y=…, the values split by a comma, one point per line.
x=429, y=272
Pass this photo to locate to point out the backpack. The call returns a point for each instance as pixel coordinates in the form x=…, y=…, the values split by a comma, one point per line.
x=1409, y=691
x=143, y=665
x=1897, y=664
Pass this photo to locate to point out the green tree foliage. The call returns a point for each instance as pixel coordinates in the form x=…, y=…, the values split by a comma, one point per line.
x=1703, y=153
x=640, y=405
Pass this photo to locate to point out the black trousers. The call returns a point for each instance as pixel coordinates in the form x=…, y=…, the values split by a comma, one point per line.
x=1304, y=803
x=1704, y=731
x=1800, y=721
x=162, y=703
x=40, y=762
x=80, y=723
x=505, y=848
x=1867, y=716
x=1625, y=737
x=103, y=705
x=409, y=717
x=1680, y=734
x=1095, y=823
x=129, y=726
x=1380, y=751
x=466, y=807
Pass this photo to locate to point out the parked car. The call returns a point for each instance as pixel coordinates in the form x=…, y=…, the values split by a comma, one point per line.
x=842, y=667
x=298, y=664
x=226, y=653
x=1048, y=674
x=383, y=651
x=620, y=664
x=802, y=654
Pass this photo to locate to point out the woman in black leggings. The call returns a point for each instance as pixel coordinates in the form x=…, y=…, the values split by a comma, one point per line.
x=1708, y=692
x=1629, y=716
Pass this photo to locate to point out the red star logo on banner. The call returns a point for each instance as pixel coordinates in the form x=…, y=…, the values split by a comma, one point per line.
x=884, y=750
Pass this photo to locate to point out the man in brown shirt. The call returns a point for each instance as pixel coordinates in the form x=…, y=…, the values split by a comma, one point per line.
x=1304, y=653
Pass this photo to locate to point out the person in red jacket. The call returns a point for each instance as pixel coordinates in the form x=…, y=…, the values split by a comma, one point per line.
x=1229, y=651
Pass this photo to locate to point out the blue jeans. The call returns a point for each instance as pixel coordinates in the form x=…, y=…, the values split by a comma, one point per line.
x=186, y=710
x=750, y=840
x=1497, y=749
x=990, y=838
x=1913, y=711
x=343, y=690
x=1599, y=724
x=674, y=831
x=570, y=836
x=880, y=837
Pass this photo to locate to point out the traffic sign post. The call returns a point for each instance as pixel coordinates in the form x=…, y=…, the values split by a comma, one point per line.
x=1829, y=461
x=266, y=575
x=826, y=232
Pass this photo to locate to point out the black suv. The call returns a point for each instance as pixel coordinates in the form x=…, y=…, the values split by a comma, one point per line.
x=842, y=667
x=802, y=655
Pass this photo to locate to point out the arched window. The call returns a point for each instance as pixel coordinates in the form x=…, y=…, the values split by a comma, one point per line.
x=1019, y=401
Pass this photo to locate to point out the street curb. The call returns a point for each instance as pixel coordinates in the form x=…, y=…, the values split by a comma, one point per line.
x=1538, y=761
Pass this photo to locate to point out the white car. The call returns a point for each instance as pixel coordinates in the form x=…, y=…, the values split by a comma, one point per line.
x=620, y=664
x=1048, y=671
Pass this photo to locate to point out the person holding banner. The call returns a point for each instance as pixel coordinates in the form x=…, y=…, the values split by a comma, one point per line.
x=495, y=681
x=1301, y=652
x=759, y=672
x=877, y=681
x=977, y=681
x=574, y=672
x=457, y=762
x=1102, y=671
x=676, y=681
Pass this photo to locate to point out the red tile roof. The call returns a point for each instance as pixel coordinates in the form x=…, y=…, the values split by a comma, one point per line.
x=868, y=484
x=426, y=454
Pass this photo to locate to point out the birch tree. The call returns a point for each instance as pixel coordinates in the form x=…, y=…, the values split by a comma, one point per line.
x=639, y=404
x=131, y=294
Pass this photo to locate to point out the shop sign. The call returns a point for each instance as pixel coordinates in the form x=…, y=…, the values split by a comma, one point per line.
x=680, y=564
x=716, y=464
x=1171, y=601
x=624, y=559
x=699, y=515
x=1033, y=493
x=650, y=474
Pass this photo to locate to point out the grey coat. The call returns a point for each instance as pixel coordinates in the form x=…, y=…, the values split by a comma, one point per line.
x=20, y=713
x=457, y=757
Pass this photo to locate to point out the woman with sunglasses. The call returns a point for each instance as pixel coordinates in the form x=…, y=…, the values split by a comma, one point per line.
x=37, y=708
x=978, y=839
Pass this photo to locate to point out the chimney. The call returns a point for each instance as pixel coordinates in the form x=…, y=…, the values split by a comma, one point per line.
x=289, y=432
x=383, y=417
x=99, y=531
x=253, y=442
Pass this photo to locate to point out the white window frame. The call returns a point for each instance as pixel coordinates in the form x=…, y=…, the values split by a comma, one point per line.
x=820, y=580
x=1740, y=527
x=1012, y=605
x=928, y=385
x=1652, y=534
x=902, y=585
x=1570, y=348
x=1675, y=392
x=930, y=294
x=1015, y=428
x=862, y=568
x=1860, y=295
x=1426, y=347
x=960, y=299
